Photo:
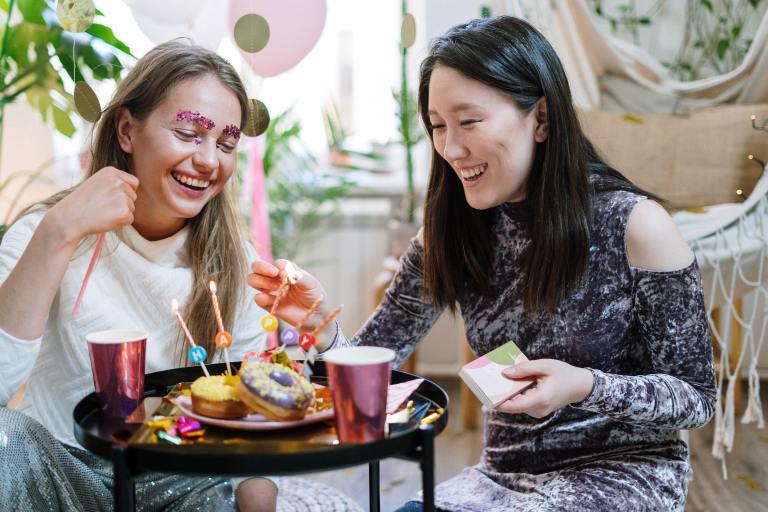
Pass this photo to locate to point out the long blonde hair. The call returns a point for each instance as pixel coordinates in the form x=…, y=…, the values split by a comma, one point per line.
x=215, y=244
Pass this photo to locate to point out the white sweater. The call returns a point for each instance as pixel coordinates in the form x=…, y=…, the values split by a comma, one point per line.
x=131, y=287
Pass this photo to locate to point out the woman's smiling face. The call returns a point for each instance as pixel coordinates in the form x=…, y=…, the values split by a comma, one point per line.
x=183, y=153
x=484, y=136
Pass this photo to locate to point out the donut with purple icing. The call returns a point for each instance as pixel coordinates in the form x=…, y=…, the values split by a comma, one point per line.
x=275, y=391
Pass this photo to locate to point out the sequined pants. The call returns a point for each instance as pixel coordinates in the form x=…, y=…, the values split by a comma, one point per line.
x=38, y=473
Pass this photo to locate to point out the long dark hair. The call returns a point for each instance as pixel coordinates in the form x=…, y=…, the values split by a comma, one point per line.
x=511, y=56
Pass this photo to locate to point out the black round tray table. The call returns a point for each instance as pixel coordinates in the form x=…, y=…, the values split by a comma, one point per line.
x=286, y=452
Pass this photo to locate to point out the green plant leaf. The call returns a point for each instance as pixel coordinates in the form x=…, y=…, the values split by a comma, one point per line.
x=722, y=48
x=708, y=5
x=32, y=10
x=62, y=122
x=101, y=66
x=736, y=30
x=644, y=21
x=4, y=5
x=105, y=33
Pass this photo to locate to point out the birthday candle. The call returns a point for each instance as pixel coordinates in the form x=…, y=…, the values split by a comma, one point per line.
x=216, y=309
x=197, y=353
x=326, y=321
x=223, y=338
x=311, y=310
x=91, y=264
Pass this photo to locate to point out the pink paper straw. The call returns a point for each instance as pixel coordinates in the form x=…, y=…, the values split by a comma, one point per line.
x=91, y=264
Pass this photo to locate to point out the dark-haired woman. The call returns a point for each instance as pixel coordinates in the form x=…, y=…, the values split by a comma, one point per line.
x=535, y=239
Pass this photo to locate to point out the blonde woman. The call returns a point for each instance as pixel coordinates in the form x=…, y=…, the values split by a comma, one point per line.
x=163, y=153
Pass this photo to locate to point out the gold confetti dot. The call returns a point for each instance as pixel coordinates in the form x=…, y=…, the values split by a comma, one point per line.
x=751, y=484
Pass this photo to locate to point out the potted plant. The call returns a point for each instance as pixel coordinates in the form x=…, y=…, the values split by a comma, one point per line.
x=35, y=56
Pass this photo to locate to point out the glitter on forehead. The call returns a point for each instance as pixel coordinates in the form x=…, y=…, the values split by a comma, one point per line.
x=232, y=131
x=195, y=117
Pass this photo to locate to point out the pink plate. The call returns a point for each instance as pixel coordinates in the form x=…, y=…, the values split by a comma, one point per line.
x=252, y=421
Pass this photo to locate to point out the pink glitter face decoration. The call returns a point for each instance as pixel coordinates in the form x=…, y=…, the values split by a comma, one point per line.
x=232, y=131
x=195, y=117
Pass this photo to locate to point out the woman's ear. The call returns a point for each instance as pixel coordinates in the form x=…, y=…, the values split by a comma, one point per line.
x=542, y=121
x=126, y=126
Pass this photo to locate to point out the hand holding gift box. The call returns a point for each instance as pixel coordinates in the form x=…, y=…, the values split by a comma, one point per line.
x=484, y=375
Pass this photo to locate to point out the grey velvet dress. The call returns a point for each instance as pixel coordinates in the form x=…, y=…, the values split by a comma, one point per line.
x=643, y=334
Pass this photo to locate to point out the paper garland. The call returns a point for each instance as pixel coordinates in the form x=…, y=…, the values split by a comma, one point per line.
x=258, y=118
x=86, y=102
x=251, y=33
x=75, y=15
x=408, y=31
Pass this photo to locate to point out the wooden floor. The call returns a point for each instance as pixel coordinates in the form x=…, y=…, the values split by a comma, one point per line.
x=746, y=490
x=747, y=486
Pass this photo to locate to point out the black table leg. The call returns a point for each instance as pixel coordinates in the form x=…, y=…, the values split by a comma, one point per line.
x=374, y=495
x=124, y=486
x=428, y=466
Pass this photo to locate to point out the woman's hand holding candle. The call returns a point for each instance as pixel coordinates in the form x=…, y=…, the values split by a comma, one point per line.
x=304, y=292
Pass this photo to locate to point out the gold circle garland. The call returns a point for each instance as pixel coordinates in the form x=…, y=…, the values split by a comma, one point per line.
x=258, y=118
x=86, y=102
x=408, y=31
x=75, y=15
x=251, y=33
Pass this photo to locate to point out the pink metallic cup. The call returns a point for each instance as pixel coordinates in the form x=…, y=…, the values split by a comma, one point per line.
x=117, y=362
x=359, y=379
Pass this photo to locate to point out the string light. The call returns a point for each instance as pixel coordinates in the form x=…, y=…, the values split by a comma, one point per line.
x=756, y=160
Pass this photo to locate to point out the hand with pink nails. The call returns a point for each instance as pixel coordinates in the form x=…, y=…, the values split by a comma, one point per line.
x=302, y=292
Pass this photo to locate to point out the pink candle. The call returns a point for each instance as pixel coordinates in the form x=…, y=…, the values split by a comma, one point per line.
x=219, y=321
x=216, y=309
x=175, y=306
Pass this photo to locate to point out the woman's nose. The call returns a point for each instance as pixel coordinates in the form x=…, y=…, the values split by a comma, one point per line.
x=204, y=158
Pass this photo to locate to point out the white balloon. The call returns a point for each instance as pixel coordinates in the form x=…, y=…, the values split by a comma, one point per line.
x=204, y=22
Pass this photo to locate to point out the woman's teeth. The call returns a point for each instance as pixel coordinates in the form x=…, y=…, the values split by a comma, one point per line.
x=192, y=182
x=472, y=173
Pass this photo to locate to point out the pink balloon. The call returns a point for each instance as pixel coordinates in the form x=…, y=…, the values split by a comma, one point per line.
x=294, y=25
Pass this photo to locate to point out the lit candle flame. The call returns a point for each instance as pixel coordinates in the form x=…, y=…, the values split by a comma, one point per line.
x=212, y=286
x=291, y=272
x=175, y=305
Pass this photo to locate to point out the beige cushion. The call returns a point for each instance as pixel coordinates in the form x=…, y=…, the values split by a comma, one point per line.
x=691, y=160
